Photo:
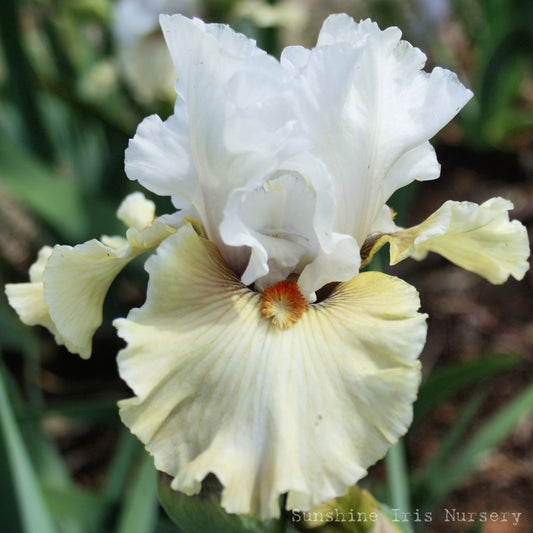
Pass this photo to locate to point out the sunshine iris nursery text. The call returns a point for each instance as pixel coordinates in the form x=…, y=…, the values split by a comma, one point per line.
x=396, y=515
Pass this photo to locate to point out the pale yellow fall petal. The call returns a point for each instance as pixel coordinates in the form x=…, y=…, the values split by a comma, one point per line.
x=76, y=281
x=68, y=284
x=478, y=238
x=220, y=389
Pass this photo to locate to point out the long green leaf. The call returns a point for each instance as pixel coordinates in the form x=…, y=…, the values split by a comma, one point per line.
x=490, y=435
x=446, y=382
x=397, y=477
x=433, y=469
x=121, y=463
x=425, y=483
x=78, y=510
x=40, y=189
x=22, y=79
x=30, y=514
x=139, y=513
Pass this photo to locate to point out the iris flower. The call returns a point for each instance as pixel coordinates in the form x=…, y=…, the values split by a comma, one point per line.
x=142, y=56
x=262, y=354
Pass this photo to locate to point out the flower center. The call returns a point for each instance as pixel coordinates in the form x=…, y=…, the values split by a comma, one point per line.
x=283, y=303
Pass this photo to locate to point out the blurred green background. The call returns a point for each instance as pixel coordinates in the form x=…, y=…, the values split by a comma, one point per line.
x=74, y=84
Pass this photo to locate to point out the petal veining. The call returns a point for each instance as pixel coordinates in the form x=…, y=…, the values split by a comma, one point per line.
x=220, y=389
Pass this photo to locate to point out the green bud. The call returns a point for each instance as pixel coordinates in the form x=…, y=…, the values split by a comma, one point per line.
x=203, y=513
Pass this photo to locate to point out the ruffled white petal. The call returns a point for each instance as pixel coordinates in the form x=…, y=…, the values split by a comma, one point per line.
x=340, y=263
x=220, y=389
x=233, y=124
x=370, y=110
x=276, y=221
x=159, y=157
x=68, y=284
x=478, y=238
x=234, y=98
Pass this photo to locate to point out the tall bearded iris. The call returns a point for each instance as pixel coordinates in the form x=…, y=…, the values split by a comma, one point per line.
x=261, y=354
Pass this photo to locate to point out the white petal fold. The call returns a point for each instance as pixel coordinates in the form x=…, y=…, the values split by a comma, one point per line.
x=478, y=238
x=68, y=284
x=287, y=222
x=220, y=389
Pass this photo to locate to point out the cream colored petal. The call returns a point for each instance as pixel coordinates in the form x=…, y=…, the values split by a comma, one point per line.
x=28, y=298
x=76, y=281
x=68, y=284
x=136, y=211
x=220, y=389
x=28, y=301
x=37, y=269
x=479, y=238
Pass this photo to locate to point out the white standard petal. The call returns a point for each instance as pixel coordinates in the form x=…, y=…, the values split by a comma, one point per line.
x=276, y=221
x=159, y=157
x=220, y=389
x=370, y=110
x=241, y=124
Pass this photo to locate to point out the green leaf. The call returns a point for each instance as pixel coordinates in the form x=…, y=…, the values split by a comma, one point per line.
x=57, y=202
x=139, y=513
x=397, y=477
x=77, y=509
x=22, y=506
x=444, y=383
x=425, y=483
x=22, y=79
x=452, y=437
x=489, y=436
x=203, y=513
x=125, y=453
